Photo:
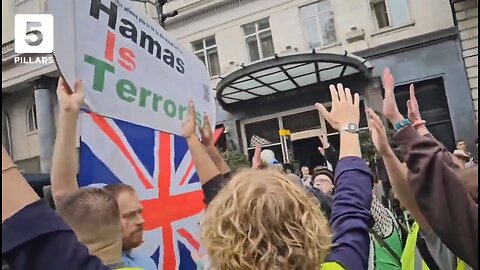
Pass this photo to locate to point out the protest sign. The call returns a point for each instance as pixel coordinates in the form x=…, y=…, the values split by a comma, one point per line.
x=131, y=68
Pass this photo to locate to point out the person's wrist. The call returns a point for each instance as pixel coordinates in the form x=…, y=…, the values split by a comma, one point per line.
x=69, y=113
x=395, y=118
x=417, y=124
x=210, y=146
x=191, y=138
x=387, y=153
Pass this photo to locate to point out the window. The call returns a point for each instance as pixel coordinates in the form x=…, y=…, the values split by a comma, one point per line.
x=388, y=13
x=302, y=121
x=318, y=24
x=264, y=133
x=433, y=110
x=258, y=39
x=32, y=124
x=206, y=50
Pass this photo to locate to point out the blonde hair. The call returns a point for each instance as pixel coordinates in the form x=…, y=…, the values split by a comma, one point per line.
x=263, y=220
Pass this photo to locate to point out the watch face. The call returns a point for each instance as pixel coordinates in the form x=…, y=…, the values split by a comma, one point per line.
x=353, y=127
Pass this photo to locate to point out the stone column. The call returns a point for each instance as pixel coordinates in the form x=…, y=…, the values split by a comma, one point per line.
x=45, y=120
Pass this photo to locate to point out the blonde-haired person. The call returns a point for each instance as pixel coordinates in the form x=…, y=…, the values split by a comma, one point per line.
x=262, y=220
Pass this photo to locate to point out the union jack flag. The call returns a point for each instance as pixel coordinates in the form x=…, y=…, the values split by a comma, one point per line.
x=159, y=167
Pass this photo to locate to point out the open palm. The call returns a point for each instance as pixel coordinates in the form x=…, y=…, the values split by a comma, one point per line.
x=378, y=133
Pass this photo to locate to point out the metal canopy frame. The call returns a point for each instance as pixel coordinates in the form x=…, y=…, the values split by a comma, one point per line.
x=286, y=73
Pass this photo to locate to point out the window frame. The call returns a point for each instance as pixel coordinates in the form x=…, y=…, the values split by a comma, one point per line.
x=32, y=111
x=204, y=50
x=257, y=36
x=387, y=5
x=317, y=15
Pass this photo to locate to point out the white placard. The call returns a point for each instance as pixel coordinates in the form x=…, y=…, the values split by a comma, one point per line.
x=131, y=68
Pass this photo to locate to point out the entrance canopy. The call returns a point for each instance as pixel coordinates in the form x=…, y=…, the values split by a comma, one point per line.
x=282, y=74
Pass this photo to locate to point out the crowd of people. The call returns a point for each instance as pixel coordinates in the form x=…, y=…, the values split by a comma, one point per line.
x=266, y=217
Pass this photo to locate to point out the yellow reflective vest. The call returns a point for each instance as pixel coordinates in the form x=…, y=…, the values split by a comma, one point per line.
x=411, y=258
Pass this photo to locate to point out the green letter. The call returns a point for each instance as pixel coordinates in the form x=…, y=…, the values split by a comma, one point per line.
x=126, y=87
x=99, y=73
x=170, y=112
x=144, y=93
x=156, y=100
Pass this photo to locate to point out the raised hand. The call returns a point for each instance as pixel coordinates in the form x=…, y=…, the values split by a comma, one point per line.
x=324, y=141
x=206, y=132
x=390, y=108
x=257, y=159
x=378, y=133
x=413, y=108
x=345, y=108
x=322, y=151
x=189, y=127
x=70, y=101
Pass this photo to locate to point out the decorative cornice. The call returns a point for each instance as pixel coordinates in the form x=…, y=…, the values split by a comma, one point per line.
x=199, y=9
x=8, y=49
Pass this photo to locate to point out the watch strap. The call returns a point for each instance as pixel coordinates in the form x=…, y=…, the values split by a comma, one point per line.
x=405, y=122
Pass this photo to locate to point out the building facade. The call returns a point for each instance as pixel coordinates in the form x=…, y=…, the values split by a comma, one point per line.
x=420, y=41
x=466, y=14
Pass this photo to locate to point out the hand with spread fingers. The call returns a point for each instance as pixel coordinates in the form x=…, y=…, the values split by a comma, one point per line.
x=70, y=101
x=345, y=107
x=189, y=127
x=206, y=132
x=378, y=133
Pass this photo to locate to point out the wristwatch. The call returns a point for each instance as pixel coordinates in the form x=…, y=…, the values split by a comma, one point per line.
x=352, y=128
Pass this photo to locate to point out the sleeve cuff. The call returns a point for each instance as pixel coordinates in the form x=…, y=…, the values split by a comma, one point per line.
x=33, y=221
x=406, y=136
x=212, y=187
x=351, y=163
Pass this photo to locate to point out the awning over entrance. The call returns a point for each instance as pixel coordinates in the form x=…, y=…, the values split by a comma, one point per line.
x=286, y=73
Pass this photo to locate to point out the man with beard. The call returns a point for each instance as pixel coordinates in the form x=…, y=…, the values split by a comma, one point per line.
x=64, y=173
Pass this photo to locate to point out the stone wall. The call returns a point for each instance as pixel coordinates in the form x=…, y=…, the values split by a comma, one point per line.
x=467, y=16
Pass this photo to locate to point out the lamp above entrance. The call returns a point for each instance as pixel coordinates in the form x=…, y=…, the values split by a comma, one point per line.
x=282, y=74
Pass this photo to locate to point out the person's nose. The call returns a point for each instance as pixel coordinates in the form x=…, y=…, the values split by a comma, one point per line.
x=140, y=220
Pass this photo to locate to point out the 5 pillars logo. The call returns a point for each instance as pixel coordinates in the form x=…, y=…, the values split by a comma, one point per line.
x=33, y=35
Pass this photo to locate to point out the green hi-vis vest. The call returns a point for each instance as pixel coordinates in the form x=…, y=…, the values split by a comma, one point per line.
x=411, y=258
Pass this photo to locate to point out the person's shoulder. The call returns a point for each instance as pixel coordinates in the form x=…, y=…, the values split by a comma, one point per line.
x=144, y=260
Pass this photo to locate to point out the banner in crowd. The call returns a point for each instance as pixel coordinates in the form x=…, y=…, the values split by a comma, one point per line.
x=131, y=68
x=160, y=168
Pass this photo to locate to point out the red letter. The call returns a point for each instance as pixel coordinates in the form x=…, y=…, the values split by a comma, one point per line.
x=127, y=60
x=110, y=46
